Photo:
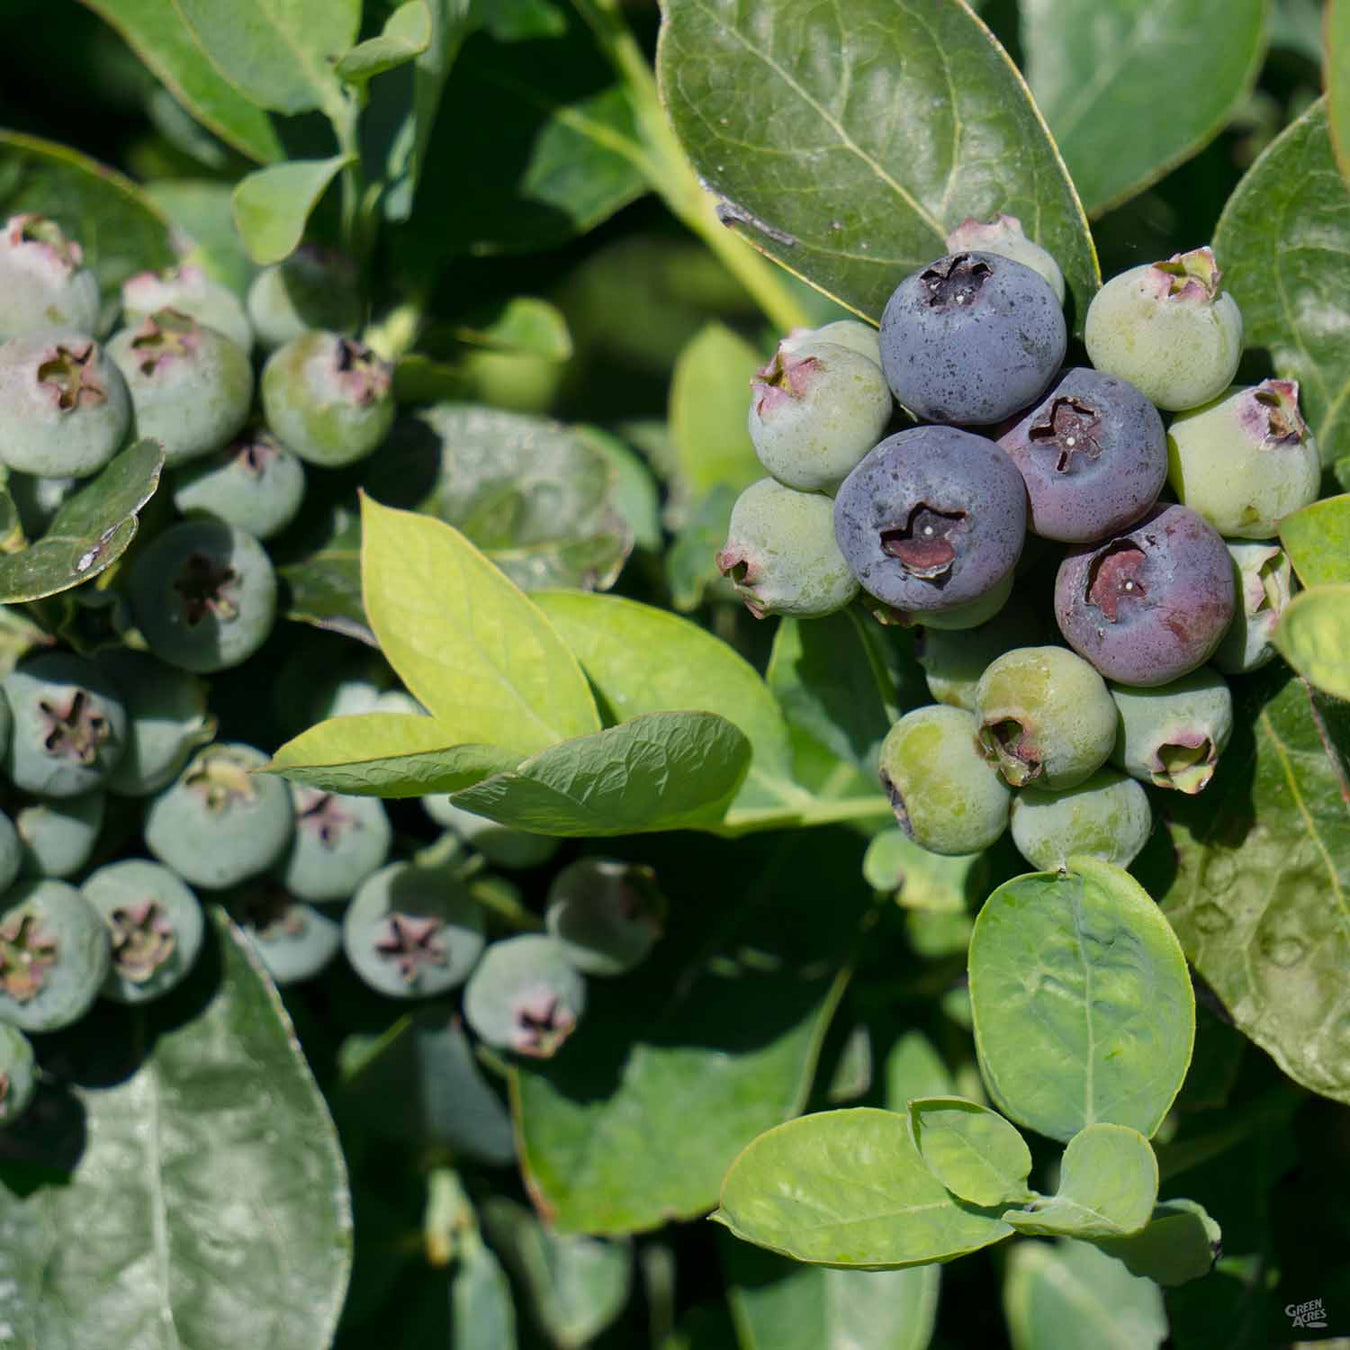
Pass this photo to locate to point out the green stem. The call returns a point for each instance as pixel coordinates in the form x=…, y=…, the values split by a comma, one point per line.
x=673, y=176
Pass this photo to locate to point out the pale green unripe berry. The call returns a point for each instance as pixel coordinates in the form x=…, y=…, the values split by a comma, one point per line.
x=1106, y=817
x=190, y=291
x=44, y=286
x=1172, y=735
x=852, y=333
x=1004, y=235
x=1265, y=585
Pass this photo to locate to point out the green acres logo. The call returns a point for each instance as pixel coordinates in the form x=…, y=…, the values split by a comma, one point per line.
x=1310, y=1314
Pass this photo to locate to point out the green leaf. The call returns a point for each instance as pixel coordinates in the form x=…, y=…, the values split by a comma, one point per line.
x=1179, y=1244
x=691, y=567
x=634, y=493
x=1070, y=1296
x=472, y=648
x=1282, y=241
x=1338, y=80
x=201, y=213
x=780, y=1305
x=323, y=585
x=193, y=1206
x=406, y=35
x=971, y=1150
x=90, y=531
x=789, y=113
x=121, y=231
x=522, y=325
x=482, y=1315
x=848, y=1188
x=156, y=32
x=1313, y=635
x=1082, y=1001
x=919, y=880
x=1104, y=76
x=387, y=755
x=272, y=205
x=660, y=771
x=1108, y=1183
x=1317, y=540
x=913, y=1069
x=278, y=53
x=1258, y=889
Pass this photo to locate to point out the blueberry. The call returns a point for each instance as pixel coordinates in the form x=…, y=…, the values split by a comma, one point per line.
x=971, y=338
x=1093, y=455
x=525, y=996
x=1172, y=736
x=54, y=955
x=70, y=725
x=1150, y=604
x=1107, y=817
x=1046, y=717
x=815, y=410
x=339, y=841
x=1169, y=329
x=167, y=719
x=954, y=661
x=221, y=822
x=781, y=554
x=932, y=518
x=204, y=595
x=191, y=387
x=606, y=914
x=11, y=852
x=328, y=398
x=155, y=928
x=44, y=285
x=1264, y=586
x=413, y=932
x=18, y=1074
x=57, y=837
x=254, y=483
x=1246, y=460
x=859, y=337
x=67, y=410
x=295, y=941
x=1004, y=235
x=311, y=289
x=500, y=845
x=945, y=796
x=190, y=291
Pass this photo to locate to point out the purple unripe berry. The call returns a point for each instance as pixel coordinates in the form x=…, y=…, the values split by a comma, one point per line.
x=44, y=285
x=1150, y=604
x=971, y=338
x=932, y=518
x=1093, y=454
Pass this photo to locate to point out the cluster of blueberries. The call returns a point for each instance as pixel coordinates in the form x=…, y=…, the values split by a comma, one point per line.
x=307, y=872
x=1170, y=576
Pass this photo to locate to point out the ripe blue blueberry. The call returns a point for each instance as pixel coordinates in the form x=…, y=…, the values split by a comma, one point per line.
x=44, y=285
x=499, y=844
x=1004, y=235
x=525, y=996
x=1093, y=454
x=191, y=387
x=70, y=725
x=313, y=288
x=18, y=1074
x=339, y=841
x=1107, y=816
x=1150, y=604
x=220, y=822
x=254, y=483
x=932, y=518
x=1172, y=736
x=412, y=931
x=971, y=338
x=1169, y=329
x=67, y=410
x=155, y=927
x=606, y=914
x=295, y=941
x=57, y=836
x=54, y=955
x=190, y=291
x=781, y=554
x=204, y=595
x=1264, y=586
x=328, y=398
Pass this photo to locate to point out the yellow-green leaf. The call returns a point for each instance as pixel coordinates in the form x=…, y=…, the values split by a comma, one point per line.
x=1314, y=637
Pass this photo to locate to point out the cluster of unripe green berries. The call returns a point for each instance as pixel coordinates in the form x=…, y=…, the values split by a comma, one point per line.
x=913, y=465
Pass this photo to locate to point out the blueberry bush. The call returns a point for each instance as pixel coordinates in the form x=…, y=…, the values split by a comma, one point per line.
x=614, y=616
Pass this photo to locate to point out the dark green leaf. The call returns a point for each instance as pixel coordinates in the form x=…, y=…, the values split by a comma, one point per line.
x=203, y=220
x=1179, y=1244
x=323, y=587
x=690, y=566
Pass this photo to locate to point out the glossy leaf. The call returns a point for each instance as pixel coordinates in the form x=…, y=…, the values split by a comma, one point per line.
x=1070, y=1296
x=971, y=1150
x=1082, y=1001
x=188, y=1208
x=659, y=771
x=789, y=112
x=406, y=35
x=1317, y=540
x=1313, y=635
x=278, y=53
x=1337, y=23
x=323, y=584
x=273, y=205
x=1108, y=1182
x=1259, y=891
x=200, y=212
x=470, y=646
x=1179, y=1243
x=1281, y=241
x=91, y=530
x=848, y=1188
x=157, y=33
x=1103, y=75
